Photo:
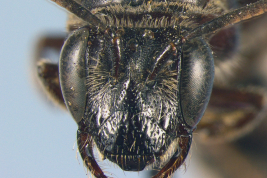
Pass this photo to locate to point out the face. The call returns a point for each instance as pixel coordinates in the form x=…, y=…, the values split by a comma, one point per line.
x=133, y=81
x=137, y=77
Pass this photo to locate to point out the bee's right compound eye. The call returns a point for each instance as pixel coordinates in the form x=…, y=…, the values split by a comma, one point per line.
x=72, y=72
x=196, y=80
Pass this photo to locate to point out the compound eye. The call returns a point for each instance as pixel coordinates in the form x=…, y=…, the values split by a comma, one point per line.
x=72, y=72
x=196, y=80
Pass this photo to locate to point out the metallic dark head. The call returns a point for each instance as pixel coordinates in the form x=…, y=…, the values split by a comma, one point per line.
x=139, y=90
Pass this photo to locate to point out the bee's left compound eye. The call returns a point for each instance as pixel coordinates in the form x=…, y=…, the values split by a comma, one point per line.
x=72, y=72
x=196, y=81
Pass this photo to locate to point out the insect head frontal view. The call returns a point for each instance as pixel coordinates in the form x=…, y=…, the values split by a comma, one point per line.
x=137, y=75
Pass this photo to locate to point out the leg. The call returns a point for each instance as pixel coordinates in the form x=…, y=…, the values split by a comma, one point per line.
x=47, y=71
x=244, y=158
x=231, y=113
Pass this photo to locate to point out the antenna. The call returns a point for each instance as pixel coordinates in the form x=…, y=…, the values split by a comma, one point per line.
x=81, y=12
x=236, y=16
